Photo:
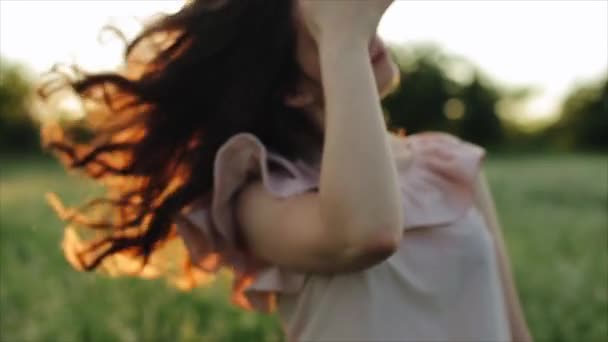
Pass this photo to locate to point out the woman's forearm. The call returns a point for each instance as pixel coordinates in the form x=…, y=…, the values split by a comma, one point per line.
x=358, y=190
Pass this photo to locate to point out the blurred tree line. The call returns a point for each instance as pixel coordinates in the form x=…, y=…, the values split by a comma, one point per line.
x=448, y=93
x=18, y=128
x=437, y=92
x=584, y=118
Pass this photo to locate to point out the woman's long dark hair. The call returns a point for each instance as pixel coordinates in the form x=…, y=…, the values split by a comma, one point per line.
x=190, y=81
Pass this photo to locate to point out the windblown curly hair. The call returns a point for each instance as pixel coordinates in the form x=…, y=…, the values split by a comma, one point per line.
x=190, y=80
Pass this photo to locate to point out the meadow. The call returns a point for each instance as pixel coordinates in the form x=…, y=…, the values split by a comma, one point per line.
x=553, y=209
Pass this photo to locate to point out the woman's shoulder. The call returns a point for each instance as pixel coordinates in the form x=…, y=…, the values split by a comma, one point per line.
x=437, y=175
x=439, y=149
x=436, y=140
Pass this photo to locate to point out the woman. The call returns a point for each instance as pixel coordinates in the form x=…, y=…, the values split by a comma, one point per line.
x=254, y=135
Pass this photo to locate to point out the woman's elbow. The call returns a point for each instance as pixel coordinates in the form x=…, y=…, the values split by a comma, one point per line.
x=383, y=237
x=383, y=244
x=369, y=252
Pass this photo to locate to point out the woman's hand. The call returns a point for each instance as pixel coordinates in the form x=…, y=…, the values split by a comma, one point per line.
x=343, y=19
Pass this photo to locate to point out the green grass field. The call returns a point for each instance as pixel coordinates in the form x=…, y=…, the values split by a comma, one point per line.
x=553, y=209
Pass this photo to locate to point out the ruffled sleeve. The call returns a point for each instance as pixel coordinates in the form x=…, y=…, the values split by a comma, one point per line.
x=213, y=238
x=437, y=174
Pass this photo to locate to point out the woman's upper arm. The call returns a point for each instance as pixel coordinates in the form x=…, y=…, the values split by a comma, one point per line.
x=289, y=232
x=485, y=202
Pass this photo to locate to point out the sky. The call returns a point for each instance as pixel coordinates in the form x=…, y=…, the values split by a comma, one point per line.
x=548, y=45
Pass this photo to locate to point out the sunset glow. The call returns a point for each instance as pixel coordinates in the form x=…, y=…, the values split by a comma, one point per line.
x=550, y=45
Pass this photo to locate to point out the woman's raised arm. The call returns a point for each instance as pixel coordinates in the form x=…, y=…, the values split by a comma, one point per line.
x=359, y=196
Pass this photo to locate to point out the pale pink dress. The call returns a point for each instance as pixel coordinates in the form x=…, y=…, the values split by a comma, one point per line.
x=442, y=284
